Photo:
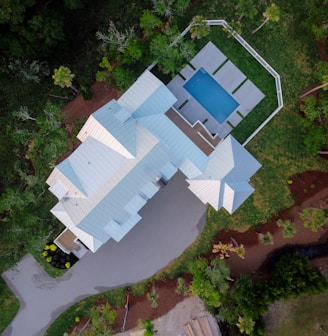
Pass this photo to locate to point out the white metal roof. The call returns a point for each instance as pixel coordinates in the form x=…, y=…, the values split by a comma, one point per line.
x=89, y=241
x=235, y=194
x=58, y=189
x=113, y=126
x=179, y=145
x=225, y=179
x=140, y=91
x=127, y=146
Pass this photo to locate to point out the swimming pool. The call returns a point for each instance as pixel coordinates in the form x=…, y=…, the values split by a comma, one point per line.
x=211, y=95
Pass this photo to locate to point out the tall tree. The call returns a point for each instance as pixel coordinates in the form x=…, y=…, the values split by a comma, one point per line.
x=321, y=74
x=149, y=22
x=316, y=19
x=63, y=77
x=246, y=8
x=272, y=13
x=115, y=38
x=13, y=11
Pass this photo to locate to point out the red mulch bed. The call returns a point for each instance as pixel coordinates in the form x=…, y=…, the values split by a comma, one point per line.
x=309, y=189
x=140, y=307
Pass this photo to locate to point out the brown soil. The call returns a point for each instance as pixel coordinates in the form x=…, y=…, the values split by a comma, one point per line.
x=322, y=49
x=79, y=108
x=310, y=189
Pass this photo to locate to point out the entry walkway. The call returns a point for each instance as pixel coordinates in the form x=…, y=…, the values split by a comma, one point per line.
x=171, y=221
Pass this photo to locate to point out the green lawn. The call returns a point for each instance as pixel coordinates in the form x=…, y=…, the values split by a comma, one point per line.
x=298, y=317
x=9, y=305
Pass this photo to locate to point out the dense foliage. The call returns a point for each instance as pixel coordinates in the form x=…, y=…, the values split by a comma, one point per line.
x=210, y=282
x=291, y=277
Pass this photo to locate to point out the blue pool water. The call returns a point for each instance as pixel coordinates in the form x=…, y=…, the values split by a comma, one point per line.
x=211, y=95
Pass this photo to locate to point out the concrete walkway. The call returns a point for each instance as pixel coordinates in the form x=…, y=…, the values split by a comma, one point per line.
x=171, y=222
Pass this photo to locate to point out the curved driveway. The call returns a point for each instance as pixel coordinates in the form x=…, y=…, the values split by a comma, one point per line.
x=171, y=222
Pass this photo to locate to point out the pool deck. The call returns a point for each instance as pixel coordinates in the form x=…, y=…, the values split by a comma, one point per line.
x=229, y=77
x=209, y=58
x=225, y=73
x=249, y=95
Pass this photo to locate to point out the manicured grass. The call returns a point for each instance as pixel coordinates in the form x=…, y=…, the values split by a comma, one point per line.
x=298, y=317
x=9, y=305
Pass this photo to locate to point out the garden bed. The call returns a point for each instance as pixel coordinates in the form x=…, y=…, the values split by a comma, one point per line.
x=308, y=188
x=57, y=258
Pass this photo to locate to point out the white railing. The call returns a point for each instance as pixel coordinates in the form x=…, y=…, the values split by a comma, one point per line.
x=258, y=58
x=265, y=65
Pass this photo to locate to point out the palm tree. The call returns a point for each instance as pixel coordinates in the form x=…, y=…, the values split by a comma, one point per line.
x=63, y=77
x=323, y=85
x=199, y=27
x=314, y=218
x=246, y=8
x=240, y=251
x=272, y=13
x=289, y=228
x=222, y=249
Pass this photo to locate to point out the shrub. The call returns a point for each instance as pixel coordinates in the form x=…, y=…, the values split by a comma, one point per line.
x=289, y=228
x=266, y=238
x=149, y=328
x=210, y=281
x=181, y=287
x=314, y=218
x=53, y=247
x=152, y=297
x=292, y=276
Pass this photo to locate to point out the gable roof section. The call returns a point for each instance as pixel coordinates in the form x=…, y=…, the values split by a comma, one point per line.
x=112, y=168
x=65, y=175
x=114, y=127
x=88, y=167
x=244, y=163
x=224, y=182
x=58, y=189
x=159, y=102
x=140, y=91
x=59, y=211
x=235, y=193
